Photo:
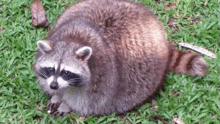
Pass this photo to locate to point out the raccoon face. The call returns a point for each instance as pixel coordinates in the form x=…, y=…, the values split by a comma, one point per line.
x=62, y=66
x=59, y=78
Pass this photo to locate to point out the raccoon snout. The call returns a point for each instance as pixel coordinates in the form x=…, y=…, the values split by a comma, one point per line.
x=54, y=85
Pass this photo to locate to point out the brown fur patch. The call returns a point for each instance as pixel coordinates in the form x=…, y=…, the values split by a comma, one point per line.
x=177, y=61
x=189, y=64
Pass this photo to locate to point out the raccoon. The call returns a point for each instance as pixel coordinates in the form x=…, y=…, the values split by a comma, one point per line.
x=107, y=56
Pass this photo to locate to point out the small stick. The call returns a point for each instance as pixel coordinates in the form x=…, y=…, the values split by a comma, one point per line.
x=198, y=49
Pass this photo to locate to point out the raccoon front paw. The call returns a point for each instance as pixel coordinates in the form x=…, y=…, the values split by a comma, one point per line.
x=53, y=103
x=52, y=107
x=62, y=110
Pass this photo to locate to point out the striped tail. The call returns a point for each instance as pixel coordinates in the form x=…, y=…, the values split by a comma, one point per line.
x=187, y=63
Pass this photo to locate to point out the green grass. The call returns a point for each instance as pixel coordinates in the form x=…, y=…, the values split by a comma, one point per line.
x=21, y=100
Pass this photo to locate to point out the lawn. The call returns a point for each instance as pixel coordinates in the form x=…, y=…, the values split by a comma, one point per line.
x=192, y=99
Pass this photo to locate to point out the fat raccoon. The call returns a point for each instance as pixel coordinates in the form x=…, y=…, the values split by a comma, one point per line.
x=107, y=56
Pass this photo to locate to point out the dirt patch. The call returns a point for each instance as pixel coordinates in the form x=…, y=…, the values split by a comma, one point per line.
x=170, y=6
x=37, y=117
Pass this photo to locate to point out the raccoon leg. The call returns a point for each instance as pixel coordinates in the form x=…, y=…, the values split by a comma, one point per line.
x=53, y=104
x=62, y=109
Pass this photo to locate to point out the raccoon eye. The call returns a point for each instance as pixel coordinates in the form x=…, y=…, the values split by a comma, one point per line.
x=66, y=72
x=48, y=71
x=62, y=73
x=66, y=75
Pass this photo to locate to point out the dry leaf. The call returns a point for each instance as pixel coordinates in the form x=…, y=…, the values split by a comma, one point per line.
x=158, y=117
x=38, y=14
x=176, y=93
x=172, y=24
x=153, y=103
x=39, y=108
x=198, y=49
x=10, y=120
x=82, y=118
x=214, y=117
x=1, y=29
x=170, y=6
x=177, y=121
x=196, y=19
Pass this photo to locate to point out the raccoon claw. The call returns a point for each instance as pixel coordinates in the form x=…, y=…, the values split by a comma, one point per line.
x=52, y=107
x=57, y=113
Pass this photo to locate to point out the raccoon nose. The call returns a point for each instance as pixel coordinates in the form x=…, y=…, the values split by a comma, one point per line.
x=54, y=85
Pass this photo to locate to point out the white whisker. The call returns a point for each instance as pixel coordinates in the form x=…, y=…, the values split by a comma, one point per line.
x=43, y=73
x=73, y=79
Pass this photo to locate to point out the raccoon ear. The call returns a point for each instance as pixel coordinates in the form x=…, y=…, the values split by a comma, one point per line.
x=84, y=53
x=44, y=46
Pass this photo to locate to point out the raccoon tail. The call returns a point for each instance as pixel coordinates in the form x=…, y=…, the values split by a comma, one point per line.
x=186, y=62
